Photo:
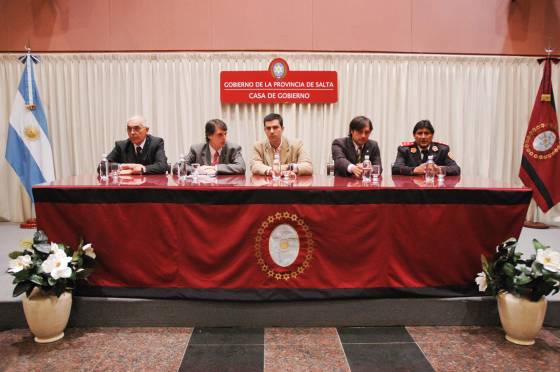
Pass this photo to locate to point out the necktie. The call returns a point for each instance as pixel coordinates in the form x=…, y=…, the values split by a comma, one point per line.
x=138, y=151
x=216, y=158
x=424, y=156
x=359, y=154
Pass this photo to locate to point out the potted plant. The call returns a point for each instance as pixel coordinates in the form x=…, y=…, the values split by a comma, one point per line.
x=47, y=273
x=520, y=286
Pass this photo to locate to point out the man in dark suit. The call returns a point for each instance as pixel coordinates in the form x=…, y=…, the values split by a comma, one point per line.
x=217, y=154
x=412, y=156
x=141, y=153
x=349, y=152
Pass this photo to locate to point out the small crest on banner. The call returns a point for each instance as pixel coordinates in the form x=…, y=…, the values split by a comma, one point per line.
x=542, y=142
x=290, y=246
x=30, y=107
x=546, y=97
x=278, y=68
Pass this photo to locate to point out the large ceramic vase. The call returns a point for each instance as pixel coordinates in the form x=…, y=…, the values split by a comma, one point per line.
x=521, y=319
x=47, y=315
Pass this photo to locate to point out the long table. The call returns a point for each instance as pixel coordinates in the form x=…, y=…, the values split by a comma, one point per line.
x=251, y=238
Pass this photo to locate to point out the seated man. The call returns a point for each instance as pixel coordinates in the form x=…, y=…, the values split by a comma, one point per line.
x=290, y=150
x=349, y=152
x=217, y=154
x=141, y=153
x=412, y=156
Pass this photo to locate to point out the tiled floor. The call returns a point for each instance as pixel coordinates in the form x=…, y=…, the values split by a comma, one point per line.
x=280, y=349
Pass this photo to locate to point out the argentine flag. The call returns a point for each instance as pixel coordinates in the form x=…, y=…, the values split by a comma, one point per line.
x=28, y=149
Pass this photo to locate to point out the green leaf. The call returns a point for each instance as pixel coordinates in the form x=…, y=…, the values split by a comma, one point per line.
x=51, y=281
x=37, y=279
x=22, y=275
x=522, y=279
x=509, y=269
x=22, y=287
x=538, y=245
x=15, y=254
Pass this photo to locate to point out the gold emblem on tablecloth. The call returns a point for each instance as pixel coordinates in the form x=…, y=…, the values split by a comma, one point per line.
x=290, y=246
x=31, y=132
x=542, y=142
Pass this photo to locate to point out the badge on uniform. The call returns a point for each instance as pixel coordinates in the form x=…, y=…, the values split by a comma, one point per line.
x=413, y=150
x=434, y=148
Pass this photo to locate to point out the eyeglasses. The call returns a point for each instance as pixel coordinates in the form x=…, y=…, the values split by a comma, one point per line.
x=136, y=128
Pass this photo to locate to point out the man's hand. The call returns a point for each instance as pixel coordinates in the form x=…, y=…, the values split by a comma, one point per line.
x=421, y=169
x=357, y=170
x=131, y=168
x=205, y=167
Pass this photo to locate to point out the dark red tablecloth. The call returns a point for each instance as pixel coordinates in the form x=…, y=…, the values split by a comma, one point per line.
x=209, y=239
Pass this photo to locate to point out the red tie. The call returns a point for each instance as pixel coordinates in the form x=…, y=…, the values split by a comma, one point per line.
x=216, y=158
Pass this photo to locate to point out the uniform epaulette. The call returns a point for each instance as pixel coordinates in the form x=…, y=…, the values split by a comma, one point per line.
x=408, y=143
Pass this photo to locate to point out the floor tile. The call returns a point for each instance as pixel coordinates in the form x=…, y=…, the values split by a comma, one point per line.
x=301, y=336
x=304, y=358
x=368, y=335
x=223, y=358
x=227, y=336
x=386, y=357
x=476, y=348
x=148, y=349
x=88, y=349
x=303, y=349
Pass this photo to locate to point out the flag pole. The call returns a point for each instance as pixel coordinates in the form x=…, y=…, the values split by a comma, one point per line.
x=30, y=223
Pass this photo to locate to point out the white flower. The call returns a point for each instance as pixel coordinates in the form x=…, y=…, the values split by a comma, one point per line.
x=57, y=264
x=88, y=250
x=550, y=259
x=20, y=263
x=55, y=248
x=482, y=281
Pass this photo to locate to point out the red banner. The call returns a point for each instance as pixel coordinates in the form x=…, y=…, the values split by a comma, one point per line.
x=278, y=85
x=540, y=165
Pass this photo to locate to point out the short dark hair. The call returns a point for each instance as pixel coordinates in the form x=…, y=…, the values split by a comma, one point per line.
x=423, y=124
x=211, y=126
x=359, y=123
x=273, y=116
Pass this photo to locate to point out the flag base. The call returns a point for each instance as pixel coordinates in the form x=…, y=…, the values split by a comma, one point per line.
x=535, y=225
x=30, y=223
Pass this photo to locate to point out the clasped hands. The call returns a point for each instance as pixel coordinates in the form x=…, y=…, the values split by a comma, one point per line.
x=131, y=168
x=421, y=169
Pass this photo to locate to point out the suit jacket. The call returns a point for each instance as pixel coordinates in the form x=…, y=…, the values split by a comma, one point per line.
x=409, y=157
x=152, y=156
x=291, y=151
x=231, y=160
x=344, y=154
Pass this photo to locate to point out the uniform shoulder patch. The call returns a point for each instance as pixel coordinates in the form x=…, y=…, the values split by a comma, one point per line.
x=407, y=143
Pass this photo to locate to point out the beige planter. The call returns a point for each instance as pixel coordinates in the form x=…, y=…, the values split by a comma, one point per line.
x=47, y=315
x=521, y=319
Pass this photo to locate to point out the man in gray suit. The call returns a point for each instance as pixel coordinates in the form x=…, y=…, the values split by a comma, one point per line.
x=349, y=152
x=217, y=154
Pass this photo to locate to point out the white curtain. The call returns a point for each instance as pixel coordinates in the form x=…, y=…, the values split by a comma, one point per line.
x=479, y=105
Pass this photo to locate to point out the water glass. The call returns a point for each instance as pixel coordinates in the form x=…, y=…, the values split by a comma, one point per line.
x=441, y=172
x=375, y=172
x=114, y=169
x=195, y=167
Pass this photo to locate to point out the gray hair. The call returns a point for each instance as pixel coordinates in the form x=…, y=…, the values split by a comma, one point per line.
x=138, y=119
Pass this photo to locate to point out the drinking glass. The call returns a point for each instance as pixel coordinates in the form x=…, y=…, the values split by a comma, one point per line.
x=195, y=167
x=375, y=172
x=441, y=172
x=114, y=169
